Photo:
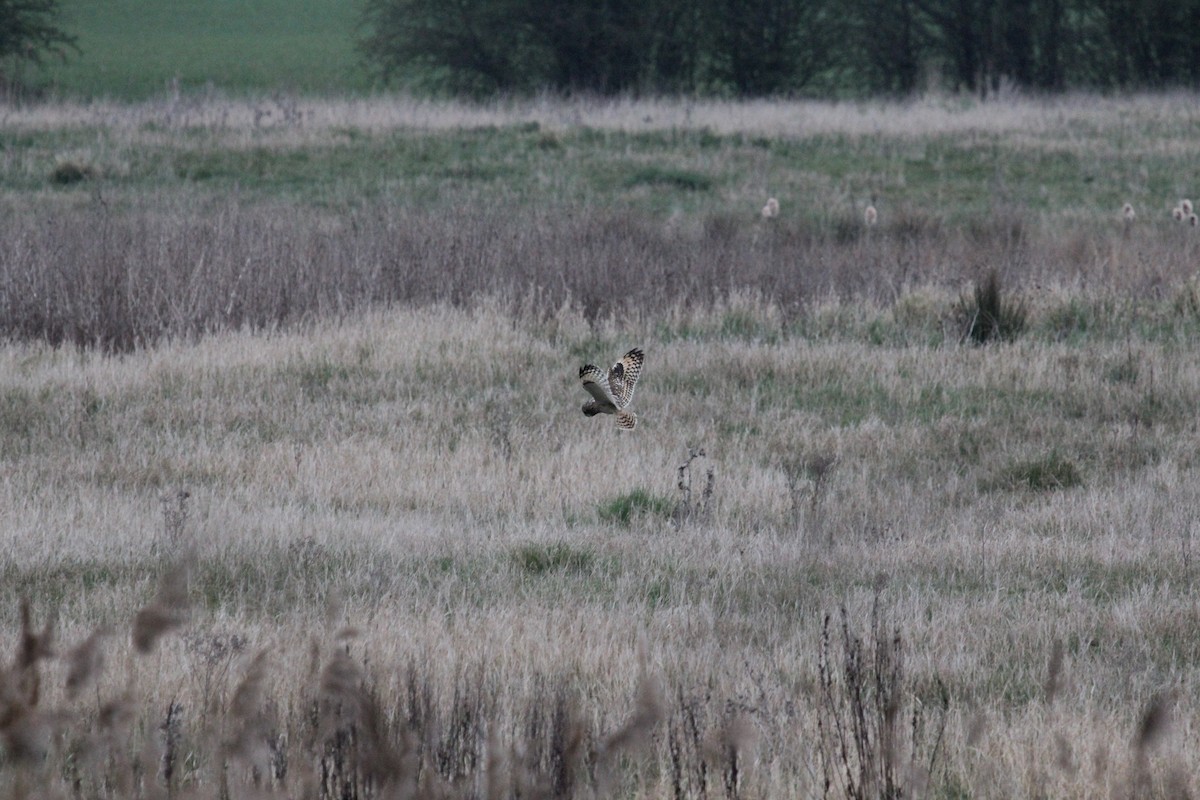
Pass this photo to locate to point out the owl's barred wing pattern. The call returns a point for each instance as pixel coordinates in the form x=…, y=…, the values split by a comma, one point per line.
x=616, y=383
x=623, y=376
x=611, y=391
x=596, y=383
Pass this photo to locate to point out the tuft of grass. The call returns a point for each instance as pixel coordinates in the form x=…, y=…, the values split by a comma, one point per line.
x=989, y=315
x=684, y=180
x=538, y=559
x=624, y=509
x=1044, y=474
x=1071, y=320
x=1125, y=370
x=66, y=173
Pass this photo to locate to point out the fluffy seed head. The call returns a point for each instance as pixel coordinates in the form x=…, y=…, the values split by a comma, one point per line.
x=1128, y=213
x=1186, y=205
x=771, y=209
x=870, y=216
x=1177, y=213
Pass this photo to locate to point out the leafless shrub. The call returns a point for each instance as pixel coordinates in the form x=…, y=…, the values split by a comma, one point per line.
x=175, y=515
x=687, y=509
x=171, y=731
x=807, y=475
x=213, y=653
x=710, y=750
x=866, y=749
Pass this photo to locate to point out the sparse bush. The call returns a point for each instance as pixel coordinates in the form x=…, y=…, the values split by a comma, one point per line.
x=710, y=750
x=989, y=315
x=876, y=739
x=806, y=476
x=688, y=509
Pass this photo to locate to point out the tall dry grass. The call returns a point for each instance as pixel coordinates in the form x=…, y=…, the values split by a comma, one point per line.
x=313, y=512
x=128, y=223
x=416, y=492
x=117, y=281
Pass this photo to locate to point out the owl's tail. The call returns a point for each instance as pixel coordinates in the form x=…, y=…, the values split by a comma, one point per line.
x=626, y=420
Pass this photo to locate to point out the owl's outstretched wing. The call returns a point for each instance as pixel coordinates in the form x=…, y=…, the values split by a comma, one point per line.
x=623, y=376
x=596, y=383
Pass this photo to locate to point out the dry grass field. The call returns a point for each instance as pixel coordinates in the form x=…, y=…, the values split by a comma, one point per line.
x=296, y=490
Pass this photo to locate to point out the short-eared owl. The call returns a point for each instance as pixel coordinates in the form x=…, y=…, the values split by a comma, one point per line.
x=613, y=390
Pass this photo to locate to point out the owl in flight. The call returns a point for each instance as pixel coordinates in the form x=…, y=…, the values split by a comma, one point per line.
x=613, y=391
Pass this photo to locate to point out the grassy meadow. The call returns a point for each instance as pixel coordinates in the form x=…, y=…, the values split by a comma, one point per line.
x=137, y=49
x=300, y=502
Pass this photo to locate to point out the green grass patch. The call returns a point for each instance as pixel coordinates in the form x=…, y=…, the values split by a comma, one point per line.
x=277, y=582
x=1043, y=474
x=134, y=49
x=71, y=585
x=669, y=178
x=624, y=509
x=538, y=559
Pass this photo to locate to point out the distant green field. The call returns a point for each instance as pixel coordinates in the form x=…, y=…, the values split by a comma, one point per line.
x=135, y=48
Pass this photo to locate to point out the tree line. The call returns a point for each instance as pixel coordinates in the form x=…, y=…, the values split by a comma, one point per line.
x=782, y=47
x=29, y=32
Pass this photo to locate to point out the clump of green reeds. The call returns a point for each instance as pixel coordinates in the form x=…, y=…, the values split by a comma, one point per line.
x=807, y=476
